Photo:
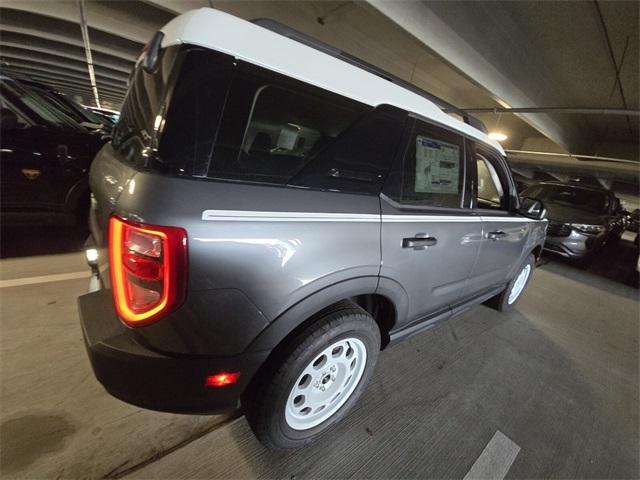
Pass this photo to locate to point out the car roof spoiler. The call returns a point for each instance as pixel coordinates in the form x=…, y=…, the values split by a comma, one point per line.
x=316, y=44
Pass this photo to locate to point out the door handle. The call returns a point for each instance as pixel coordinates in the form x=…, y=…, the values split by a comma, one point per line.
x=496, y=235
x=419, y=243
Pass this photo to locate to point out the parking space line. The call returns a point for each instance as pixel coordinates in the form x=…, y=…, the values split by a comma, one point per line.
x=18, y=282
x=495, y=460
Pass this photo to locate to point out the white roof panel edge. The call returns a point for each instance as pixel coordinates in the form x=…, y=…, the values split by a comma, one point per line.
x=220, y=31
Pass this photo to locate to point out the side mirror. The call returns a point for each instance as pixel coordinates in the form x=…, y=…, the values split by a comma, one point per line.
x=532, y=208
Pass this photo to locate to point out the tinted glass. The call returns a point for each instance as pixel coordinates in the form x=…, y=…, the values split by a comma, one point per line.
x=141, y=112
x=273, y=125
x=35, y=108
x=585, y=199
x=490, y=189
x=10, y=117
x=360, y=158
x=431, y=173
x=195, y=106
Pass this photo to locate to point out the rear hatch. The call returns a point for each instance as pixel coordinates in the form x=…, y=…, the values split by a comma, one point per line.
x=134, y=140
x=108, y=177
x=166, y=125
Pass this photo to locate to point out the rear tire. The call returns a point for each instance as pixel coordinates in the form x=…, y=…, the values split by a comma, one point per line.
x=315, y=379
x=506, y=300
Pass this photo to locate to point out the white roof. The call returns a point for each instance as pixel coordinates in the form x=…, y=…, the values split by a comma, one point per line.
x=225, y=33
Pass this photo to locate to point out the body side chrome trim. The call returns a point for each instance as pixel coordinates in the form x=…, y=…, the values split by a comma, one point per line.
x=261, y=216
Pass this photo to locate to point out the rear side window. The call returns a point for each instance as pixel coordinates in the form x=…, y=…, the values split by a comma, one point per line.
x=273, y=125
x=358, y=161
x=204, y=113
x=431, y=173
x=195, y=108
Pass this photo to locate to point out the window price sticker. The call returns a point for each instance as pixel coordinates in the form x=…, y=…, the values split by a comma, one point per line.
x=437, y=166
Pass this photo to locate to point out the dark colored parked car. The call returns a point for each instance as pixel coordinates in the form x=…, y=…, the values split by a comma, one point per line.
x=108, y=116
x=272, y=221
x=45, y=158
x=77, y=112
x=581, y=218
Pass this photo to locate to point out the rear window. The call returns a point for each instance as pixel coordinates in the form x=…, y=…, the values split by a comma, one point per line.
x=141, y=114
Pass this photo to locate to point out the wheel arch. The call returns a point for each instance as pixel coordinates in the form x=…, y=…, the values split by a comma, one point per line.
x=361, y=291
x=537, y=252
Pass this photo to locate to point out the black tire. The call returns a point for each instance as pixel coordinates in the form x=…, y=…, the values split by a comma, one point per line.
x=585, y=262
x=265, y=401
x=501, y=301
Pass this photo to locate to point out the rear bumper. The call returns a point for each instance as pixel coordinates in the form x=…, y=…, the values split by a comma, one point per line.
x=138, y=375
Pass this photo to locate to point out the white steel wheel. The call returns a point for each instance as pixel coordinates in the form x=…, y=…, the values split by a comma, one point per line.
x=519, y=284
x=326, y=383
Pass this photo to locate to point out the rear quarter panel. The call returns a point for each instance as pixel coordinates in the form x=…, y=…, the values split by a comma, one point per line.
x=267, y=264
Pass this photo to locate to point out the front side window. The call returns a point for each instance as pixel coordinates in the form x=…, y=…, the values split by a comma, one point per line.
x=432, y=170
x=490, y=191
x=273, y=125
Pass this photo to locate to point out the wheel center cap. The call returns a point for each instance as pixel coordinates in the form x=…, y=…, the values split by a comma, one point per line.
x=325, y=379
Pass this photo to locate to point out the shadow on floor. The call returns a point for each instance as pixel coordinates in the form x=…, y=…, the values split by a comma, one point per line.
x=616, y=261
x=31, y=241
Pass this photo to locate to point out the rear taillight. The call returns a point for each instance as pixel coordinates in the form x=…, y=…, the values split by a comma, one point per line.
x=148, y=266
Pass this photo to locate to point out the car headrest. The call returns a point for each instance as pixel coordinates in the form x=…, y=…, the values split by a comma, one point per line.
x=261, y=143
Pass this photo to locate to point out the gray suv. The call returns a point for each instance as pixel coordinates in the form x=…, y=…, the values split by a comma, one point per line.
x=262, y=227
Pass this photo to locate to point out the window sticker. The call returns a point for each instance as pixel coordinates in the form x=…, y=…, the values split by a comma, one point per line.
x=437, y=166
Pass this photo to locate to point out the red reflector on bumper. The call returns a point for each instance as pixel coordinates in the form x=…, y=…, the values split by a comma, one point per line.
x=222, y=379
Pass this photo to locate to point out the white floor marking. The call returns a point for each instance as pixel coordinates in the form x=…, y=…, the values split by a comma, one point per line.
x=495, y=460
x=17, y=282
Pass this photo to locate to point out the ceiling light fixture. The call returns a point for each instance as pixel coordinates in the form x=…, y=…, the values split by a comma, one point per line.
x=497, y=136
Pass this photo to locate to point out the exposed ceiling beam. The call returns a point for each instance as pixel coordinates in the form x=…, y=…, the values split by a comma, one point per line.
x=64, y=40
x=129, y=20
x=418, y=19
x=176, y=8
x=62, y=73
x=66, y=32
x=71, y=55
x=38, y=44
x=58, y=59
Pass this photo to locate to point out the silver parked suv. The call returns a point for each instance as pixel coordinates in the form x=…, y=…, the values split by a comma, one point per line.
x=274, y=213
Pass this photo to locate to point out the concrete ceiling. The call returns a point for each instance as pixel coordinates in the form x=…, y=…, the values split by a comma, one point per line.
x=473, y=54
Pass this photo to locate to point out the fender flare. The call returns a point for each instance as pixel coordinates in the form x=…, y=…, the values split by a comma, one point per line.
x=297, y=314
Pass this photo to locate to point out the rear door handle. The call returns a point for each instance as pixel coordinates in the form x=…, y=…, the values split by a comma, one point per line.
x=419, y=243
x=496, y=235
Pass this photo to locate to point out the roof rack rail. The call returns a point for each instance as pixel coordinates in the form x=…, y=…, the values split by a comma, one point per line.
x=316, y=44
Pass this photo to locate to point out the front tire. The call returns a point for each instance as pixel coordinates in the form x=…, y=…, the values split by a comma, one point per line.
x=506, y=300
x=317, y=377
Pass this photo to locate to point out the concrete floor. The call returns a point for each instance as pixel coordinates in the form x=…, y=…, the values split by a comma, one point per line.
x=558, y=376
